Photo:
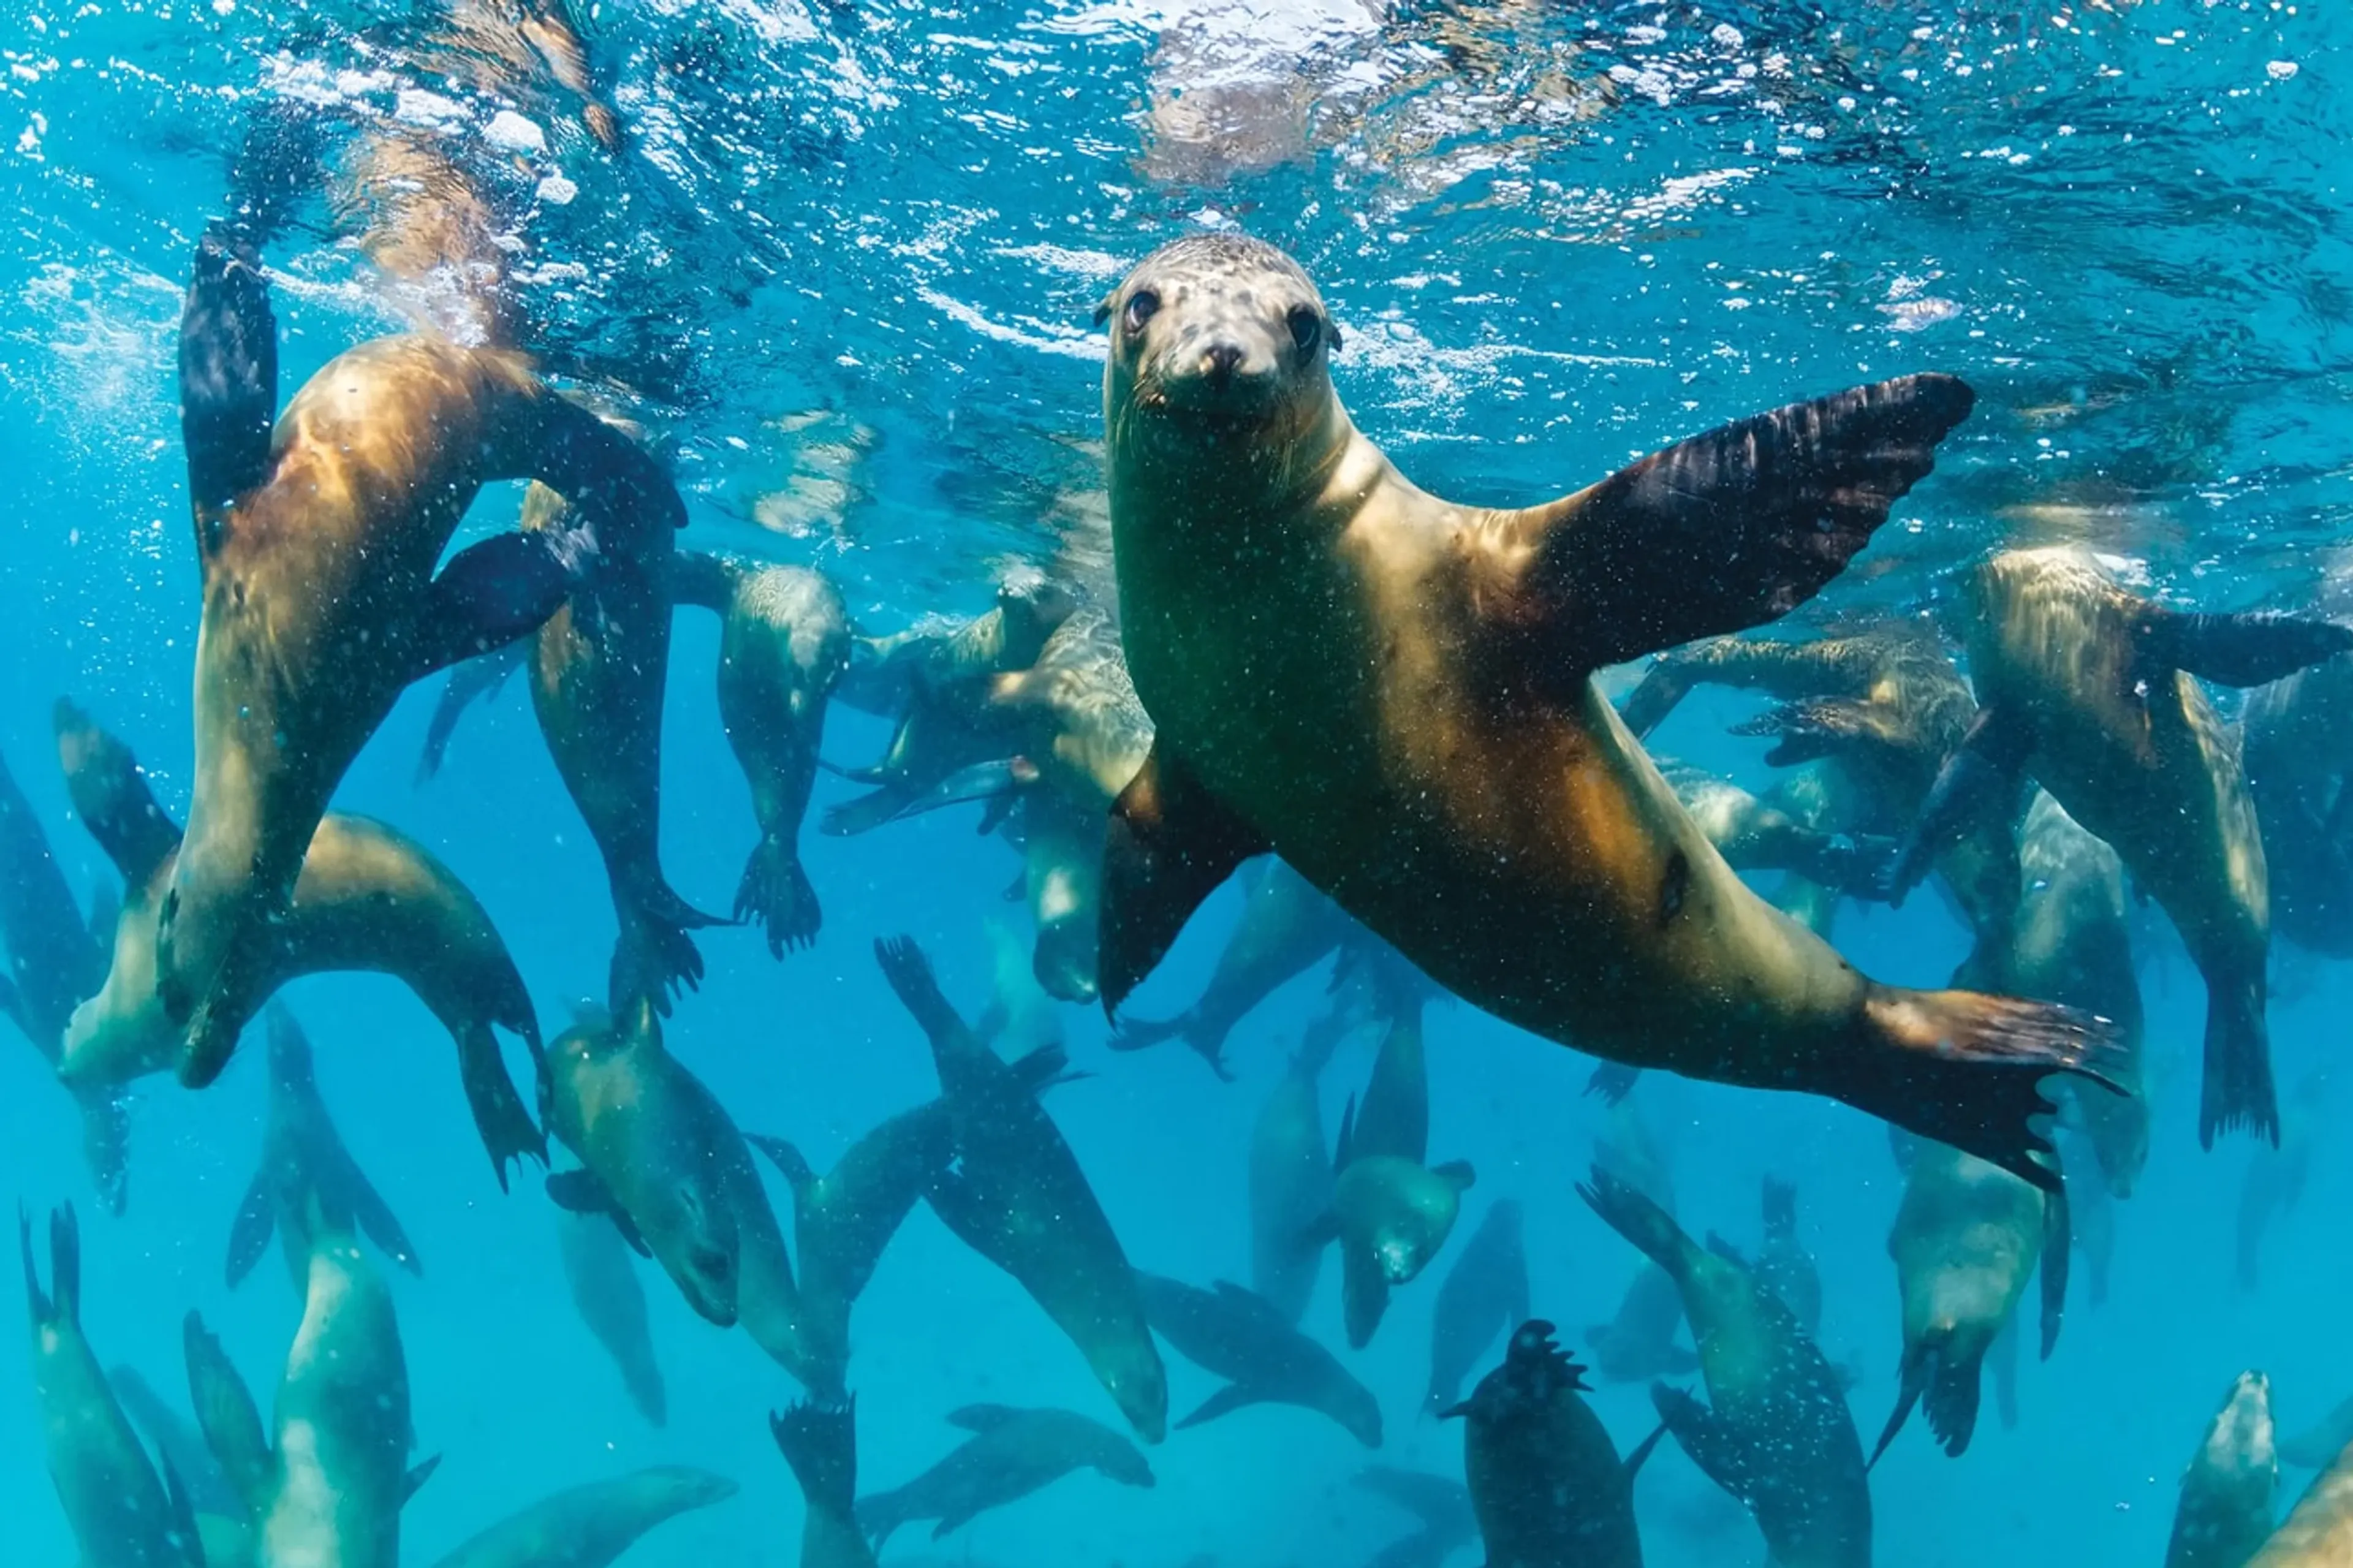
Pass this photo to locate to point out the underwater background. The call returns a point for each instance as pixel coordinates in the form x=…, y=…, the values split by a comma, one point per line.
x=856, y=250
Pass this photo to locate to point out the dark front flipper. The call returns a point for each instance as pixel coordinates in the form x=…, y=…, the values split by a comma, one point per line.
x=249, y=1232
x=1975, y=778
x=110, y=794
x=228, y=382
x=2238, y=1089
x=1660, y=691
x=1701, y=1434
x=1638, y=1220
x=908, y=971
x=1721, y=532
x=474, y=680
x=227, y=1416
x=378, y=1223
x=2239, y=650
x=1170, y=844
x=1364, y=1294
x=580, y=1192
x=775, y=891
x=491, y=596
x=500, y=1114
x=1225, y=1402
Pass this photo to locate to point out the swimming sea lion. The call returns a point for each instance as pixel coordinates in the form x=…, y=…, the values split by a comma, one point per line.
x=1439, y=1503
x=330, y=1489
x=2225, y=1512
x=1485, y=1293
x=1967, y=1239
x=1391, y=1215
x=783, y=642
x=1783, y=1265
x=588, y=1526
x=1754, y=836
x=365, y=898
x=2318, y=1532
x=843, y=1219
x=603, y=1279
x=1546, y=1482
x=1011, y=1454
x=124, y=1515
x=1776, y=1432
x=303, y=1162
x=57, y=961
x=1391, y=692
x=1638, y=1344
x=1290, y=1178
x=821, y=1443
x=1015, y=1193
x=2300, y=776
x=1242, y=1337
x=318, y=546
x=2092, y=691
x=2317, y=1446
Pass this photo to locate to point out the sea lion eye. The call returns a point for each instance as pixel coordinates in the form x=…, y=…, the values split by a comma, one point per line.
x=1306, y=327
x=1141, y=306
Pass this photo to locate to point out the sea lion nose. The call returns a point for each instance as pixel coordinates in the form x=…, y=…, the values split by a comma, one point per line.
x=1218, y=361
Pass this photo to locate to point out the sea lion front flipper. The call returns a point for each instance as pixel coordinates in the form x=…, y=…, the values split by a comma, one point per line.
x=492, y=594
x=249, y=1233
x=1171, y=842
x=1225, y=1402
x=376, y=1221
x=1717, y=534
x=501, y=1120
x=1914, y=1378
x=472, y=680
x=227, y=1415
x=2250, y=649
x=1660, y=691
x=581, y=1193
x=1642, y=1452
x=419, y=1474
x=981, y=1417
x=1639, y=1219
x=1989, y=761
x=1703, y=1435
x=1364, y=1294
x=228, y=382
x=110, y=794
x=2058, y=1243
x=789, y=1162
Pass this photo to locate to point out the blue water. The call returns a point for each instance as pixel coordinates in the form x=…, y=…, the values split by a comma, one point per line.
x=1583, y=233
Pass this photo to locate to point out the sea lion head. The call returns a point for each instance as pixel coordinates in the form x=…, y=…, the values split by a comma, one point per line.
x=1216, y=338
x=699, y=1248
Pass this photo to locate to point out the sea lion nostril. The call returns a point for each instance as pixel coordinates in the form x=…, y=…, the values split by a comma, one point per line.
x=1219, y=361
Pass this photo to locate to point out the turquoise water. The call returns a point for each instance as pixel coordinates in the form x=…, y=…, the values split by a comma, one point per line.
x=1555, y=239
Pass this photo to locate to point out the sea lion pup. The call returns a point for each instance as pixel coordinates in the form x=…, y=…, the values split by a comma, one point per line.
x=124, y=1515
x=1483, y=1295
x=783, y=642
x=330, y=1489
x=1286, y=928
x=1441, y=1504
x=663, y=1160
x=588, y=1526
x=365, y=897
x=303, y=1162
x=1011, y=1454
x=1754, y=835
x=1242, y=1337
x=2225, y=1512
x=1394, y=696
x=1546, y=1481
x=57, y=961
x=843, y=1219
x=1290, y=1175
x=820, y=1443
x=611, y=1300
x=1638, y=1344
x=2071, y=942
x=1776, y=1432
x=1967, y=1239
x=1014, y=1193
x=1783, y=1265
x=318, y=545
x=2091, y=691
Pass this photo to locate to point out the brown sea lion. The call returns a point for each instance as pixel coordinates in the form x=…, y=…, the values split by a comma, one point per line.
x=2092, y=692
x=1393, y=692
x=820, y=1443
x=318, y=545
x=2224, y=1515
x=2319, y=1532
x=365, y=897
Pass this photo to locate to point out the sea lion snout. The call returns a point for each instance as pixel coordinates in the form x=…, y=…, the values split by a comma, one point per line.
x=1220, y=327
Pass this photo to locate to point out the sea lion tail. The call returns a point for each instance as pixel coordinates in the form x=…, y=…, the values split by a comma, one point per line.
x=775, y=891
x=2238, y=1091
x=1965, y=1069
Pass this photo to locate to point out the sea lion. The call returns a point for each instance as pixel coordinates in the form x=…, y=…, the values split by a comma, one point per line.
x=1638, y=1344
x=1967, y=1239
x=1546, y=1481
x=1391, y=1215
x=1783, y=1265
x=1290, y=1177
x=303, y=1162
x=783, y=642
x=665, y=1162
x=2225, y=1512
x=843, y=1219
x=57, y=961
x=602, y=1275
x=2275, y=1179
x=331, y=1486
x=318, y=545
x=527, y=52
x=2319, y=1532
x=1011, y=1454
x=820, y=1443
x=1754, y=835
x=177, y=1442
x=2092, y=691
x=1014, y=1193
x=588, y=1526
x=1440, y=1504
x=1242, y=1337
x=1485, y=1294
x=1776, y=1432
x=365, y=897
x=1392, y=692
x=1286, y=928
x=2295, y=736
x=122, y=1513
x=433, y=233
x=2317, y=1446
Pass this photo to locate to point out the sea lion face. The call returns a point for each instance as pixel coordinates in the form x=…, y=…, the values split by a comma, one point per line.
x=2242, y=1437
x=698, y=1249
x=1216, y=337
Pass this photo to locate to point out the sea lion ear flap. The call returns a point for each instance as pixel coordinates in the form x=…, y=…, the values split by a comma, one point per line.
x=1171, y=845
x=1104, y=307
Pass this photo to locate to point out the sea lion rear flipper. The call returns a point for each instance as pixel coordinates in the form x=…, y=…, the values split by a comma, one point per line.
x=376, y=1221
x=581, y=1193
x=1170, y=844
x=1612, y=1081
x=1913, y=1380
x=1720, y=532
x=500, y=1118
x=110, y=794
x=789, y=1162
x=775, y=890
x=1989, y=762
x=2252, y=649
x=419, y=1474
x=249, y=1233
x=1225, y=1402
x=908, y=971
x=228, y=381
x=819, y=1442
x=2238, y=1091
x=1642, y=1452
x=474, y=680
x=2058, y=1245
x=227, y=1415
x=1704, y=1437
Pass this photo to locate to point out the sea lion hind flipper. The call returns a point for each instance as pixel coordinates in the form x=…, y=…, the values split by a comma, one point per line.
x=1703, y=1435
x=653, y=957
x=2058, y=1248
x=775, y=890
x=418, y=1475
x=500, y=1118
x=228, y=381
x=379, y=1224
x=981, y=1417
x=2238, y=1091
x=1951, y=1400
x=470, y=681
x=249, y=1232
x=820, y=1443
x=111, y=795
x=226, y=1414
x=2250, y=649
x=908, y=969
x=1639, y=1218
x=1171, y=845
x=1722, y=531
x=1913, y=1380
x=1612, y=1081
